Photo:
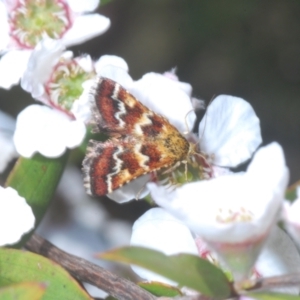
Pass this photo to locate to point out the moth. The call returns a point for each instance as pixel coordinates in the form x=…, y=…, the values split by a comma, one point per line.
x=140, y=140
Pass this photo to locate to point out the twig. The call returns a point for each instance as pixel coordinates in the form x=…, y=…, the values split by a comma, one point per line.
x=85, y=271
x=277, y=282
x=121, y=288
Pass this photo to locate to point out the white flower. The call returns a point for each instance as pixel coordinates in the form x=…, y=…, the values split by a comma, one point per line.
x=291, y=217
x=60, y=80
x=47, y=131
x=16, y=217
x=54, y=76
x=158, y=230
x=233, y=213
x=63, y=82
x=63, y=20
x=7, y=148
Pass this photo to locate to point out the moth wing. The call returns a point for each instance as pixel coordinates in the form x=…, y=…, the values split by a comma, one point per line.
x=117, y=112
x=109, y=165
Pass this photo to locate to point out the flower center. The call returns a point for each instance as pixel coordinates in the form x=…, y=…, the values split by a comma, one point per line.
x=197, y=168
x=65, y=84
x=33, y=19
x=229, y=216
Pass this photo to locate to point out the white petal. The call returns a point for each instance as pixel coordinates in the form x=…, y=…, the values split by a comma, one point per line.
x=12, y=67
x=81, y=107
x=40, y=65
x=279, y=257
x=74, y=133
x=230, y=131
x=8, y=151
x=84, y=28
x=111, y=60
x=16, y=217
x=117, y=74
x=131, y=190
x=47, y=131
x=4, y=27
x=159, y=230
x=164, y=96
x=86, y=63
x=83, y=6
x=115, y=68
x=186, y=87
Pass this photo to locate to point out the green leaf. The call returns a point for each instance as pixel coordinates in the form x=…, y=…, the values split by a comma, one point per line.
x=23, y=291
x=18, y=266
x=272, y=296
x=36, y=180
x=160, y=289
x=186, y=269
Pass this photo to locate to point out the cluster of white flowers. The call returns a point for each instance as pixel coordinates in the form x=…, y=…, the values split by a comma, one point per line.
x=232, y=215
x=33, y=40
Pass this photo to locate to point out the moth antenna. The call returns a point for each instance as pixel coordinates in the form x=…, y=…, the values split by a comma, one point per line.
x=172, y=168
x=185, y=121
x=138, y=194
x=186, y=170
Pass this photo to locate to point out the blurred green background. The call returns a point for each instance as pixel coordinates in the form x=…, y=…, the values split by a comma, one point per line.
x=244, y=48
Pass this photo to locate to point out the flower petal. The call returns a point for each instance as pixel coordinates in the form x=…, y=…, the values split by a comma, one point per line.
x=115, y=68
x=83, y=6
x=166, y=97
x=230, y=131
x=40, y=65
x=131, y=190
x=16, y=217
x=81, y=107
x=4, y=27
x=157, y=229
x=111, y=60
x=85, y=27
x=47, y=131
x=8, y=151
x=12, y=66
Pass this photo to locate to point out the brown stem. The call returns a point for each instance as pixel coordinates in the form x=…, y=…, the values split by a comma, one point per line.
x=85, y=271
x=121, y=288
x=277, y=281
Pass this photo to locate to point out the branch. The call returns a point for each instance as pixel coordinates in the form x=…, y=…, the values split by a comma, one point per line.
x=124, y=289
x=277, y=282
x=85, y=271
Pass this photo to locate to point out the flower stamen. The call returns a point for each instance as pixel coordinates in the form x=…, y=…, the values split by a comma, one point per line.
x=31, y=20
x=65, y=84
